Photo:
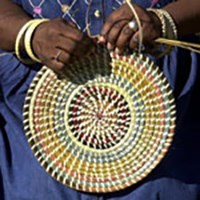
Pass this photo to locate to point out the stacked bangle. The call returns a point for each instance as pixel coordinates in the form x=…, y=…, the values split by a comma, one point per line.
x=162, y=20
x=18, y=41
x=169, y=29
x=171, y=23
x=25, y=35
x=28, y=38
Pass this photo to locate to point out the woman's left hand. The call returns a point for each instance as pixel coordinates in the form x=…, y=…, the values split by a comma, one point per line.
x=117, y=34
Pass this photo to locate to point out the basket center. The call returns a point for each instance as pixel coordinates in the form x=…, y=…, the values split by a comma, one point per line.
x=99, y=116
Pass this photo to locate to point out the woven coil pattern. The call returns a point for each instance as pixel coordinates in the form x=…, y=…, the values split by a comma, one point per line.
x=104, y=126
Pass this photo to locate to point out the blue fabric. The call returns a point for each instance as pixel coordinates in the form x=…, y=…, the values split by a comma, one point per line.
x=177, y=177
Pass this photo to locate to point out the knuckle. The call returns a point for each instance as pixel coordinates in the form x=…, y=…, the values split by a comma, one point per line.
x=120, y=24
x=117, y=25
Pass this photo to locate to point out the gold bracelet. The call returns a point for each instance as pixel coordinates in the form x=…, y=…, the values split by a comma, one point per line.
x=171, y=23
x=18, y=40
x=28, y=38
x=162, y=20
x=169, y=29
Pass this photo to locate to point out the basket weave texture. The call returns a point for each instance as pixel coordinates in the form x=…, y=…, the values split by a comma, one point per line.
x=105, y=125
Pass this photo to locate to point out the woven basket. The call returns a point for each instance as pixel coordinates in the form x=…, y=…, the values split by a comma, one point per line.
x=103, y=127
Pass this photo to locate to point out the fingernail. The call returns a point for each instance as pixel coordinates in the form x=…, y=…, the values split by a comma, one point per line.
x=117, y=50
x=101, y=39
x=110, y=46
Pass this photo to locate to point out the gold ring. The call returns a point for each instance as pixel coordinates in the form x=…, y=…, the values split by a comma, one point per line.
x=58, y=55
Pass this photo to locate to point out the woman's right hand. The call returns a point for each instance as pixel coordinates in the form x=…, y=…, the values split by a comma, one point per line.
x=56, y=41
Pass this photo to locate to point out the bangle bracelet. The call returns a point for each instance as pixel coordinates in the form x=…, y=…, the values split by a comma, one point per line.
x=169, y=29
x=28, y=38
x=164, y=24
x=171, y=22
x=162, y=20
x=18, y=40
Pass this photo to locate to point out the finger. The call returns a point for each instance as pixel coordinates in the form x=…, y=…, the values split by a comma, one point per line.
x=63, y=57
x=86, y=45
x=66, y=44
x=69, y=30
x=57, y=56
x=73, y=47
x=148, y=34
x=113, y=19
x=108, y=24
x=110, y=46
x=49, y=54
x=147, y=37
x=55, y=65
x=114, y=32
x=134, y=41
x=124, y=37
x=72, y=33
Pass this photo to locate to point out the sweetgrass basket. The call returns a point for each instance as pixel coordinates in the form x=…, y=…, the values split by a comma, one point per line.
x=104, y=126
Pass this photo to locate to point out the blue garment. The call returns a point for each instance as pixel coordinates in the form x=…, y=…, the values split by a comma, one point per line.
x=177, y=177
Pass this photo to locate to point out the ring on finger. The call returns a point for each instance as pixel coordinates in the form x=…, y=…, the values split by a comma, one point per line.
x=133, y=25
x=58, y=55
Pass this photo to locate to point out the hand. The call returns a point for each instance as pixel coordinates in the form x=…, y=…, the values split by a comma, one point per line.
x=117, y=34
x=57, y=41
